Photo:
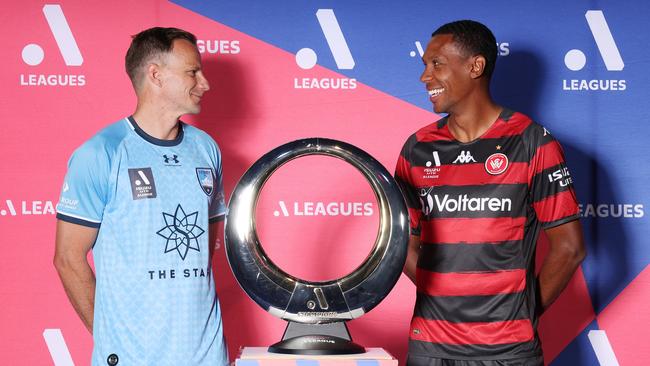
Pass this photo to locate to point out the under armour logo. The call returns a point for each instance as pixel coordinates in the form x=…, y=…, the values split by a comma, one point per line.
x=173, y=159
x=464, y=157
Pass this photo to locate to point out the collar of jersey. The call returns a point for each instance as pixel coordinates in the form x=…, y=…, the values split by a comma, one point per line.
x=153, y=140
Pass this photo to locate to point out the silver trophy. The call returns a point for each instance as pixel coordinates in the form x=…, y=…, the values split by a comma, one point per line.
x=316, y=311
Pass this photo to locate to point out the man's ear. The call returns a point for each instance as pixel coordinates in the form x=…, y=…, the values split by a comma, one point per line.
x=478, y=66
x=153, y=74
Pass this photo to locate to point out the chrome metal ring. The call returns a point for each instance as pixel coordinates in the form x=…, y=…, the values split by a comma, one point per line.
x=292, y=298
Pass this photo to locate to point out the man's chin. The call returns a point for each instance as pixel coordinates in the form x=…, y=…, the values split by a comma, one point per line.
x=439, y=108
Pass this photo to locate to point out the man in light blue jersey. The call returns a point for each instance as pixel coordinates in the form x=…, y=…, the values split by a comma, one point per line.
x=145, y=194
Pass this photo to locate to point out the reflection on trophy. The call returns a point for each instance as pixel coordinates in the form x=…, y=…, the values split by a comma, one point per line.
x=316, y=311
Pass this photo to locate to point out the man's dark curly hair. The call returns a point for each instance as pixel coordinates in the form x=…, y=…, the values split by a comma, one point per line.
x=473, y=38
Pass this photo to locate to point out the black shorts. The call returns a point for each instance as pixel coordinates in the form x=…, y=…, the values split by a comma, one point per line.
x=429, y=361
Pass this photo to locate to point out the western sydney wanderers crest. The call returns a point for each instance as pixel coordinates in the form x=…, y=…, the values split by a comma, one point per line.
x=496, y=164
x=206, y=180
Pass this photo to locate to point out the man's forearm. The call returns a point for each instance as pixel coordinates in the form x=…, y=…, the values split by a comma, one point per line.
x=79, y=283
x=412, y=255
x=566, y=252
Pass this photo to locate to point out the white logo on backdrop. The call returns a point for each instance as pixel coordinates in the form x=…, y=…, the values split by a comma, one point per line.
x=503, y=49
x=317, y=208
x=57, y=347
x=615, y=210
x=33, y=54
x=24, y=208
x=575, y=59
x=306, y=58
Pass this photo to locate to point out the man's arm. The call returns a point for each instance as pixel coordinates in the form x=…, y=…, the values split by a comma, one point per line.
x=566, y=252
x=214, y=236
x=70, y=259
x=412, y=256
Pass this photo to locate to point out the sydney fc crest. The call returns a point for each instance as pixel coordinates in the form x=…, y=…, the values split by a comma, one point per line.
x=206, y=180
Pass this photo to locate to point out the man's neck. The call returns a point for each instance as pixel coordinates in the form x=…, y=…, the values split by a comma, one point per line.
x=473, y=120
x=157, y=122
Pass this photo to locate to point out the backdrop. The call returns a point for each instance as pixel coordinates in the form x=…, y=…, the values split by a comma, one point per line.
x=280, y=71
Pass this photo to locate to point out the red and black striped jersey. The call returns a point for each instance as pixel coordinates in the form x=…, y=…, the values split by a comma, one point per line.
x=478, y=208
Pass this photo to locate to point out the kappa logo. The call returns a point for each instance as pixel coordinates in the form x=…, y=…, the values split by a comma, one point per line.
x=464, y=157
x=306, y=58
x=575, y=59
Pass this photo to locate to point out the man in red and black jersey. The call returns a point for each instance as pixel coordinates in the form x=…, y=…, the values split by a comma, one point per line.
x=480, y=185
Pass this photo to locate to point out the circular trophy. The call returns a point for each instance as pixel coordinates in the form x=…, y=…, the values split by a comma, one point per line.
x=316, y=311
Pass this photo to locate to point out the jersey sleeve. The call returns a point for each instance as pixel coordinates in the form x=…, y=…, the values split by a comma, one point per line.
x=550, y=182
x=409, y=191
x=85, y=188
x=217, y=208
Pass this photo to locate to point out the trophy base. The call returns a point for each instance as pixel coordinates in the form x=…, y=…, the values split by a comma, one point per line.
x=316, y=345
x=316, y=339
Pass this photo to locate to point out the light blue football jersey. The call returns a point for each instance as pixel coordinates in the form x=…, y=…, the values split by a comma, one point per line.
x=152, y=200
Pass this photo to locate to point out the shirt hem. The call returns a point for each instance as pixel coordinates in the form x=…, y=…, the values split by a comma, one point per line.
x=78, y=221
x=477, y=358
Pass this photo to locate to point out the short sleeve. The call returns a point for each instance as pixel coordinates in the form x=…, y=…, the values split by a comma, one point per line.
x=550, y=182
x=217, y=208
x=409, y=191
x=85, y=188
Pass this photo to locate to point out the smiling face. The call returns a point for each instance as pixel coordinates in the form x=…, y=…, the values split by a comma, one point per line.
x=448, y=74
x=182, y=79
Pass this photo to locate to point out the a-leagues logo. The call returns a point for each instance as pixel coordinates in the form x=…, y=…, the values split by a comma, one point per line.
x=432, y=172
x=464, y=157
x=575, y=59
x=33, y=54
x=316, y=208
x=181, y=232
x=502, y=47
x=142, y=183
x=306, y=58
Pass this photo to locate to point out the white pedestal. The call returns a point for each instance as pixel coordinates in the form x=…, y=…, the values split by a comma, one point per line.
x=260, y=356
